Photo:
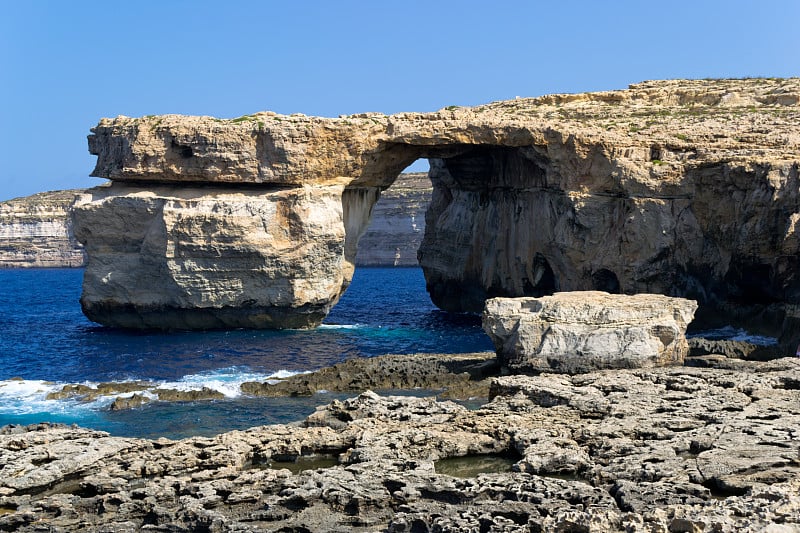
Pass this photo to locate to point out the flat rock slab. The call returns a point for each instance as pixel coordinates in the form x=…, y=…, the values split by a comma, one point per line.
x=582, y=331
x=648, y=450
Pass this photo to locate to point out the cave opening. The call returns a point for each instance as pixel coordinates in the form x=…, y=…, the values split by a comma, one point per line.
x=605, y=280
x=387, y=300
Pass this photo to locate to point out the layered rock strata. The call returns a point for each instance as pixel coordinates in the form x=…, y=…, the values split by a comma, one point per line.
x=574, y=332
x=455, y=376
x=398, y=223
x=686, y=188
x=36, y=231
x=665, y=449
x=465, y=376
x=193, y=258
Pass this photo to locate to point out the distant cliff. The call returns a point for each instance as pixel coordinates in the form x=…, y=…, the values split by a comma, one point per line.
x=35, y=231
x=398, y=223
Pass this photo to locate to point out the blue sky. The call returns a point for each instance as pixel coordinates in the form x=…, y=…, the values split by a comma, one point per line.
x=66, y=64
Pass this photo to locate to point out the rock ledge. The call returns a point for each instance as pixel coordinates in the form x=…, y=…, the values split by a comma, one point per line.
x=664, y=449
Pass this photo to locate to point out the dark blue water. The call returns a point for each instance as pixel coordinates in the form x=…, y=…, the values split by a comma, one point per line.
x=46, y=341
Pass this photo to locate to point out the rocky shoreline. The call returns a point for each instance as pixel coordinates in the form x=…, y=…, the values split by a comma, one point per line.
x=710, y=446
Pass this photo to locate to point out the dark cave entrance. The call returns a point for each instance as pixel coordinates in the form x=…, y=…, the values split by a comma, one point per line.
x=485, y=237
x=605, y=280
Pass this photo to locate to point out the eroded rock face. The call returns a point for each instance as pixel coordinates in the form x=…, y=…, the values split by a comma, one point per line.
x=395, y=232
x=182, y=257
x=665, y=449
x=36, y=230
x=686, y=188
x=574, y=332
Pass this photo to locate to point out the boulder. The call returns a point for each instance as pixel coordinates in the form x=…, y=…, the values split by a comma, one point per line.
x=582, y=331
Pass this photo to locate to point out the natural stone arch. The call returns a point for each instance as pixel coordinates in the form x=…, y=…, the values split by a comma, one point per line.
x=653, y=185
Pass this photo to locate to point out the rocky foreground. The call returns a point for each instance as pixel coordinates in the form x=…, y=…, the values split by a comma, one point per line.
x=710, y=447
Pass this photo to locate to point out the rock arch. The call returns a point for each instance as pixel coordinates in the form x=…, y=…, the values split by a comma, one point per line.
x=254, y=221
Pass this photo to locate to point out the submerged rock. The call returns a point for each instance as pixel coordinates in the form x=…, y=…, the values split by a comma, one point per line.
x=661, y=449
x=572, y=332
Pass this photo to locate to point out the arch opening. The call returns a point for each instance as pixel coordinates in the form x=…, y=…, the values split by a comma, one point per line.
x=393, y=234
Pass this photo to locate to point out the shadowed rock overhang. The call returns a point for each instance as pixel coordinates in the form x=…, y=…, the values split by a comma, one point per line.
x=686, y=188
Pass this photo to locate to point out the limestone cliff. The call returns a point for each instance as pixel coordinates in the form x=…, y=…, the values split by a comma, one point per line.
x=398, y=223
x=688, y=188
x=36, y=231
x=193, y=258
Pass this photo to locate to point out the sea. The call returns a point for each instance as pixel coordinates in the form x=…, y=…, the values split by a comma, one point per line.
x=46, y=342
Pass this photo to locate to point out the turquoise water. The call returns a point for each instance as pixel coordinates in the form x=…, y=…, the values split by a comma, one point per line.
x=47, y=342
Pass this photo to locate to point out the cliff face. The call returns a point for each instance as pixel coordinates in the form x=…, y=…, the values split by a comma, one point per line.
x=36, y=231
x=191, y=258
x=688, y=188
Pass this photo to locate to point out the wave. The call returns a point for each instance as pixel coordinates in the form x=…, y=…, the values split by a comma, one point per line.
x=225, y=380
x=729, y=333
x=27, y=397
x=22, y=396
x=339, y=326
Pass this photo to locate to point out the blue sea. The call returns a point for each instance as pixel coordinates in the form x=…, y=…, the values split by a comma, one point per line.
x=46, y=342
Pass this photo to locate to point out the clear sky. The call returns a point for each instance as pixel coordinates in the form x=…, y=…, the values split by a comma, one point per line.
x=65, y=64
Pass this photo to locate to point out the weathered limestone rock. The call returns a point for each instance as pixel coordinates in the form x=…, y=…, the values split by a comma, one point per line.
x=663, y=449
x=36, y=231
x=687, y=188
x=460, y=376
x=183, y=257
x=573, y=332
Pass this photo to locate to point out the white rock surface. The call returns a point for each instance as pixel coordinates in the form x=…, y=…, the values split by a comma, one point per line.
x=198, y=258
x=582, y=331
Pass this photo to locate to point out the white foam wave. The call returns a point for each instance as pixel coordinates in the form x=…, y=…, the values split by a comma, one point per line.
x=20, y=397
x=29, y=396
x=339, y=326
x=225, y=380
x=730, y=333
